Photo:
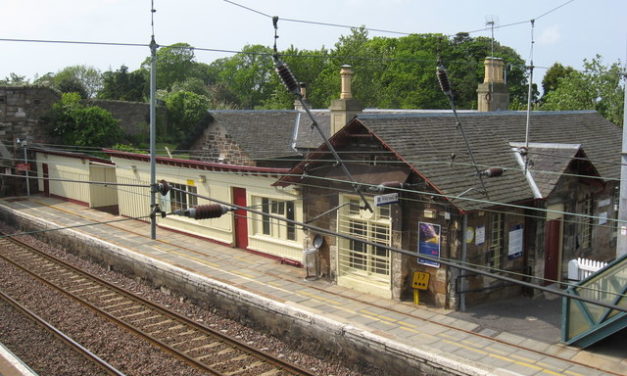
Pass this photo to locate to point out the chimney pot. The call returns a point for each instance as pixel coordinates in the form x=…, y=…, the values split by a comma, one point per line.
x=303, y=89
x=346, y=73
x=493, y=70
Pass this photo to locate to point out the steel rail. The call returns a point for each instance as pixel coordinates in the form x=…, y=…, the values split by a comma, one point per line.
x=59, y=334
x=275, y=362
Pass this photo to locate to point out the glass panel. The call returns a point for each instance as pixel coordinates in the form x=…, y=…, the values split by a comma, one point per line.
x=291, y=228
x=265, y=206
x=358, y=256
x=381, y=255
x=353, y=208
x=577, y=322
x=384, y=212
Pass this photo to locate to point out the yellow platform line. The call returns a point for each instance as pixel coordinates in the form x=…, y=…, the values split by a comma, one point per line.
x=372, y=315
x=573, y=373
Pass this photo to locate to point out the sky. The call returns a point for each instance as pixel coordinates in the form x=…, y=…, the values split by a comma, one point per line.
x=576, y=30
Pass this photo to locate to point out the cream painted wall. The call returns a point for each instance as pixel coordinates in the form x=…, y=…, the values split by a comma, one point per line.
x=65, y=168
x=101, y=195
x=218, y=185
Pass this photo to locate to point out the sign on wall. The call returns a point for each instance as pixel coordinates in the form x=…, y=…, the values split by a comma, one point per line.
x=515, y=242
x=480, y=235
x=381, y=200
x=429, y=243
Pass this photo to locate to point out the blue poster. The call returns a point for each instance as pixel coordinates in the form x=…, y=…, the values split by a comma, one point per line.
x=429, y=243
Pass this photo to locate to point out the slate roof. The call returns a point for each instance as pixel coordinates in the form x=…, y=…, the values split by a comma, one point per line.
x=269, y=134
x=548, y=162
x=426, y=142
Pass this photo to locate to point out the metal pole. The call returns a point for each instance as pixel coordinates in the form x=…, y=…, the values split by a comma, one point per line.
x=153, y=131
x=25, y=145
x=464, y=256
x=621, y=239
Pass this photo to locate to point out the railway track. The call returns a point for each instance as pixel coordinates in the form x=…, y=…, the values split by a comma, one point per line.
x=198, y=345
x=105, y=367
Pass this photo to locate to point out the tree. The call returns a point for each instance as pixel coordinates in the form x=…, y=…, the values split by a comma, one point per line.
x=82, y=79
x=246, y=75
x=551, y=79
x=122, y=85
x=185, y=110
x=174, y=64
x=597, y=87
x=76, y=124
x=14, y=80
x=388, y=72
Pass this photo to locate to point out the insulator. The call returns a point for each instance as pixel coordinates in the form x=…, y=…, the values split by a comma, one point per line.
x=445, y=85
x=387, y=185
x=204, y=211
x=523, y=151
x=492, y=172
x=287, y=77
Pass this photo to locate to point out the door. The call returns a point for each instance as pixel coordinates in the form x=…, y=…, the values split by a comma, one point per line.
x=44, y=170
x=361, y=266
x=552, y=249
x=241, y=219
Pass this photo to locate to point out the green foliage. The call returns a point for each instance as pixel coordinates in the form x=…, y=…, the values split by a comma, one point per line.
x=597, y=87
x=388, y=72
x=124, y=86
x=246, y=76
x=82, y=79
x=14, y=80
x=552, y=76
x=79, y=125
x=174, y=64
x=185, y=110
x=128, y=148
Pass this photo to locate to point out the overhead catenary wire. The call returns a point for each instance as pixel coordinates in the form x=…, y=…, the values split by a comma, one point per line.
x=416, y=162
x=293, y=87
x=259, y=219
x=448, y=197
x=325, y=231
x=320, y=23
x=252, y=218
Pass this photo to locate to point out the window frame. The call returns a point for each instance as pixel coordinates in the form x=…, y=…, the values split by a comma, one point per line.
x=277, y=229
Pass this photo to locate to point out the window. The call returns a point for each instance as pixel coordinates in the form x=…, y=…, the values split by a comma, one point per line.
x=496, y=245
x=354, y=255
x=178, y=198
x=584, y=223
x=275, y=227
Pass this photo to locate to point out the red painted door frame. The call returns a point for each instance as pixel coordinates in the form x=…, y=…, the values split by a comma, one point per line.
x=552, y=242
x=44, y=171
x=241, y=219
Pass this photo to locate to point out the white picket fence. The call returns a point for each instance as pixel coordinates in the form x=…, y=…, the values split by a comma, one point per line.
x=581, y=268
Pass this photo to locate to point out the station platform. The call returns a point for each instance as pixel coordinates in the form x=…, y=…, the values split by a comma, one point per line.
x=11, y=365
x=401, y=337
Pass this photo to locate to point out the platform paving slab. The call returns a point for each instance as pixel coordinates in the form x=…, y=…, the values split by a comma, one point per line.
x=417, y=332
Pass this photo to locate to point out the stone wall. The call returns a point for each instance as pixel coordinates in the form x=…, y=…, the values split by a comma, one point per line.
x=218, y=146
x=21, y=110
x=134, y=117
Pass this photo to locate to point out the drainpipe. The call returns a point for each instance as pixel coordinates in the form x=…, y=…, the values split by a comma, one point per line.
x=462, y=274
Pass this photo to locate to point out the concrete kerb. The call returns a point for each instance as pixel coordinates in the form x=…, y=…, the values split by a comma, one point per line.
x=327, y=336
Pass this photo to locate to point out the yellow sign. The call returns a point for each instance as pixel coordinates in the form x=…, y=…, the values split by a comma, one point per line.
x=420, y=280
x=191, y=182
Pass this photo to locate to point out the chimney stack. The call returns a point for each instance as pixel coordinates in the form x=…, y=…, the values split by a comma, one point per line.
x=303, y=93
x=347, y=76
x=345, y=108
x=492, y=94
